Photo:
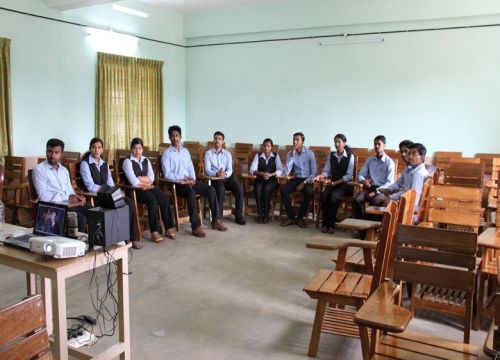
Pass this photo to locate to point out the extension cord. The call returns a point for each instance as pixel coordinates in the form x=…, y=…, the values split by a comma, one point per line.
x=86, y=338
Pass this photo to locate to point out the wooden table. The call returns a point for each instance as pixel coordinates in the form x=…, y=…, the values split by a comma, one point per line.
x=53, y=273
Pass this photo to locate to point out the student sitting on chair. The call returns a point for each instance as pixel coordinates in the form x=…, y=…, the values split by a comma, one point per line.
x=139, y=172
x=219, y=164
x=377, y=173
x=339, y=168
x=265, y=166
x=301, y=162
x=96, y=175
x=177, y=166
x=413, y=177
x=52, y=183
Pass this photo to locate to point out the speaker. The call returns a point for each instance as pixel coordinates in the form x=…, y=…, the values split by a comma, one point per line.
x=108, y=226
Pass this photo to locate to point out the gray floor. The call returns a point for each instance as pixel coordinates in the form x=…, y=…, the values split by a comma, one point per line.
x=232, y=295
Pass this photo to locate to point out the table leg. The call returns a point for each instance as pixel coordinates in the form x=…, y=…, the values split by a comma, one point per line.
x=123, y=300
x=47, y=298
x=60, y=322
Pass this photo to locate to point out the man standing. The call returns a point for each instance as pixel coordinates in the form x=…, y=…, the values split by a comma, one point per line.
x=376, y=174
x=53, y=184
x=219, y=164
x=300, y=162
x=177, y=166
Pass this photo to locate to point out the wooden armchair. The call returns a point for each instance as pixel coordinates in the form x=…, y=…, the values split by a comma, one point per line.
x=435, y=257
x=23, y=334
x=15, y=189
x=336, y=289
x=464, y=174
x=492, y=186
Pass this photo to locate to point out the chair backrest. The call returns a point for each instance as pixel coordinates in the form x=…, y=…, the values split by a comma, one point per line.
x=120, y=156
x=162, y=147
x=436, y=257
x=71, y=156
x=155, y=159
x=455, y=207
x=384, y=247
x=442, y=158
x=487, y=160
x=407, y=207
x=23, y=334
x=197, y=156
x=400, y=164
x=15, y=172
x=424, y=198
x=321, y=153
x=495, y=169
x=464, y=174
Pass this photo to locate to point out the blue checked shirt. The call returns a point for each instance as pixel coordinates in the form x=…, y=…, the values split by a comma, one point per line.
x=304, y=164
x=177, y=165
x=214, y=162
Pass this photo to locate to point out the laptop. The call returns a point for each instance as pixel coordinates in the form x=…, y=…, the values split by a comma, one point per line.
x=50, y=220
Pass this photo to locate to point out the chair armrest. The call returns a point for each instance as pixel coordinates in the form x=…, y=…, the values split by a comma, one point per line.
x=284, y=179
x=492, y=184
x=211, y=178
x=248, y=176
x=131, y=187
x=332, y=243
x=380, y=312
x=178, y=182
x=15, y=186
x=86, y=193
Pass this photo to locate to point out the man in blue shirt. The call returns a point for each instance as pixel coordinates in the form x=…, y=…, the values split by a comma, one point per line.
x=52, y=183
x=377, y=173
x=300, y=162
x=219, y=164
x=177, y=166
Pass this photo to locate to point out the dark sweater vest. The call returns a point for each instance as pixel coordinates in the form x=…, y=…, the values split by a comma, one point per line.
x=137, y=168
x=270, y=167
x=338, y=168
x=99, y=176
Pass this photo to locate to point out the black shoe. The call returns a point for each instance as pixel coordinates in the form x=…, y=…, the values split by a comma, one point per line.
x=288, y=222
x=302, y=223
x=240, y=221
x=259, y=220
x=266, y=219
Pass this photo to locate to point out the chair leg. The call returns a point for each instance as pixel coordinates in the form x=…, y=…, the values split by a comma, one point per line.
x=468, y=318
x=137, y=220
x=318, y=323
x=479, y=300
x=176, y=208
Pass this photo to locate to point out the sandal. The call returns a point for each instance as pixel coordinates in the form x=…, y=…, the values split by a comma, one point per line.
x=170, y=234
x=331, y=230
x=324, y=229
x=137, y=245
x=156, y=237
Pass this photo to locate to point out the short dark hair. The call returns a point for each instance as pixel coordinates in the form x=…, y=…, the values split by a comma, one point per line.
x=268, y=140
x=174, y=128
x=96, y=140
x=301, y=135
x=219, y=133
x=420, y=148
x=51, y=143
x=341, y=137
x=405, y=143
x=136, y=141
x=379, y=138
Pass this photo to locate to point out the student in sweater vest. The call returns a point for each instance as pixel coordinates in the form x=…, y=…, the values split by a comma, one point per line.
x=266, y=166
x=139, y=172
x=338, y=171
x=95, y=174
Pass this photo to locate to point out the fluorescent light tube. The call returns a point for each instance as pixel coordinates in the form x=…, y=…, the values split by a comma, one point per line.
x=129, y=11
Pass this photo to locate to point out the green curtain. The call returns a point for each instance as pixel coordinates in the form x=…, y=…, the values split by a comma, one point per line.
x=129, y=101
x=5, y=102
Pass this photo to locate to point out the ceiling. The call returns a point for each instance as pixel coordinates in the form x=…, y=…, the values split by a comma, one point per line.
x=179, y=5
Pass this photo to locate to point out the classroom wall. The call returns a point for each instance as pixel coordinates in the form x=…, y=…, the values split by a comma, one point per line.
x=53, y=68
x=440, y=88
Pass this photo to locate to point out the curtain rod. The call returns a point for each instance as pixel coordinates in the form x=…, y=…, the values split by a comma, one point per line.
x=261, y=40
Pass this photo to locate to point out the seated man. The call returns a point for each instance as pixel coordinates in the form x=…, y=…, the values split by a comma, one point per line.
x=177, y=166
x=52, y=183
x=377, y=173
x=404, y=151
x=413, y=177
x=219, y=163
x=302, y=163
x=395, y=190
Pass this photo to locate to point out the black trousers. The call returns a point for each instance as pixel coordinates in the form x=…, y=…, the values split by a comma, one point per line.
x=367, y=195
x=263, y=190
x=131, y=216
x=189, y=193
x=154, y=198
x=307, y=194
x=331, y=199
x=230, y=184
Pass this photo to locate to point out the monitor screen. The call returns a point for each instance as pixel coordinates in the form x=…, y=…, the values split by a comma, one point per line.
x=50, y=219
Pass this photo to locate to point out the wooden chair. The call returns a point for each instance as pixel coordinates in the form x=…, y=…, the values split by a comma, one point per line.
x=442, y=158
x=487, y=160
x=15, y=194
x=424, y=198
x=492, y=343
x=241, y=155
x=197, y=156
x=464, y=174
x=336, y=289
x=492, y=186
x=23, y=334
x=71, y=156
x=162, y=147
x=77, y=181
x=434, y=257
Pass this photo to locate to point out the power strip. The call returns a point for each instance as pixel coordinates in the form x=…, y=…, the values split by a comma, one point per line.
x=86, y=338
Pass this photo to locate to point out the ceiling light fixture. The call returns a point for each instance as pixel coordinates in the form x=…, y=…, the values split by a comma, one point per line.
x=129, y=11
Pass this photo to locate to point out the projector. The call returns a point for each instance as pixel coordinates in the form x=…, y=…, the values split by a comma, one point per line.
x=57, y=246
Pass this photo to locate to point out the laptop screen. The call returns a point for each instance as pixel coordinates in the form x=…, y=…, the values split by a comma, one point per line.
x=50, y=219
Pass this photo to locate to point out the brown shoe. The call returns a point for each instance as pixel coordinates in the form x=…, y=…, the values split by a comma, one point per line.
x=302, y=223
x=156, y=237
x=218, y=225
x=170, y=234
x=288, y=222
x=198, y=232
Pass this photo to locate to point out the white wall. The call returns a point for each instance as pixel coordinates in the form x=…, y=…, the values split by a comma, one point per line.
x=440, y=88
x=54, y=68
